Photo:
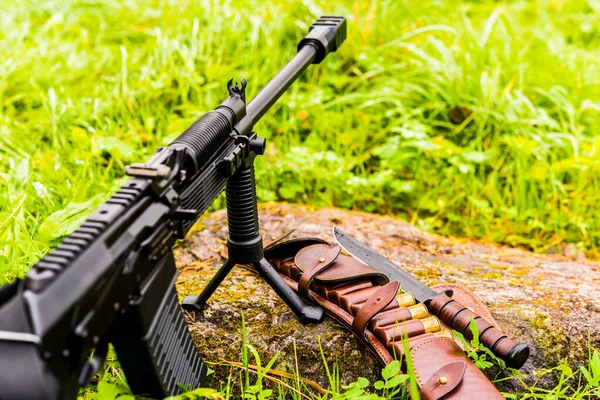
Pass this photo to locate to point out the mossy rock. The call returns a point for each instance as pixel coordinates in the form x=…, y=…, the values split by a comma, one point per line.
x=550, y=302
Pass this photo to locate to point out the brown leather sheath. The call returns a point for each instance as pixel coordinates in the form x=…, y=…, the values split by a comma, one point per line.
x=390, y=322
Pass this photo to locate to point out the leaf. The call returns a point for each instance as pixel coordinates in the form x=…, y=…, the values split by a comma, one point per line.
x=62, y=222
x=595, y=370
x=41, y=190
x=389, y=149
x=290, y=189
x=460, y=338
x=424, y=145
x=206, y=392
x=472, y=353
x=265, y=194
x=395, y=381
x=521, y=145
x=353, y=392
x=21, y=173
x=475, y=331
x=362, y=382
x=595, y=364
x=482, y=363
x=401, y=186
x=113, y=146
x=587, y=375
x=255, y=354
x=271, y=362
x=391, y=369
x=493, y=358
x=445, y=148
x=565, y=369
x=110, y=391
x=378, y=385
x=477, y=157
x=52, y=99
x=253, y=389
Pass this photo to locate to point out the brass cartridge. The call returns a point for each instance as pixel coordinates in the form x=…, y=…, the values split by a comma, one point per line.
x=405, y=299
x=431, y=324
x=418, y=311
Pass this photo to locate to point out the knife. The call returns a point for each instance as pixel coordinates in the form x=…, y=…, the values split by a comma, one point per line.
x=440, y=304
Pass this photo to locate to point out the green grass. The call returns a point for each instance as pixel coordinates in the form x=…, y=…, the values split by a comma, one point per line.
x=250, y=380
x=473, y=119
x=476, y=120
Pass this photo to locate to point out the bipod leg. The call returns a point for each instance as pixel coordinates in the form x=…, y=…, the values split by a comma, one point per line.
x=244, y=246
x=195, y=302
x=305, y=312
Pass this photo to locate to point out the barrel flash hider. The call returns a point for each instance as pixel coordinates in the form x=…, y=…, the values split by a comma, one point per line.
x=387, y=320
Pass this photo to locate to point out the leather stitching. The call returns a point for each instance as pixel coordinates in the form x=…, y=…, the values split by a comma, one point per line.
x=297, y=258
x=362, y=274
x=417, y=347
x=360, y=329
x=311, y=274
x=368, y=337
x=433, y=388
x=382, y=353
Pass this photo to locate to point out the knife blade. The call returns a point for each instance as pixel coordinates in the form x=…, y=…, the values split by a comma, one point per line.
x=371, y=258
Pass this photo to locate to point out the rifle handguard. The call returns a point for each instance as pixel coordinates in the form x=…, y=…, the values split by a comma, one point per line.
x=458, y=317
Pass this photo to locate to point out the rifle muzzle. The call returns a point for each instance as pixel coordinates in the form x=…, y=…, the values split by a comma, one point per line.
x=326, y=35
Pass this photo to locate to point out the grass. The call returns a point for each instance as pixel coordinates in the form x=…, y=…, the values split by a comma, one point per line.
x=250, y=380
x=472, y=119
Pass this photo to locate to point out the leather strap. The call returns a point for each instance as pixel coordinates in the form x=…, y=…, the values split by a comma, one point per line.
x=377, y=302
x=391, y=317
x=322, y=260
x=363, y=300
x=402, y=330
x=467, y=382
x=443, y=381
x=348, y=271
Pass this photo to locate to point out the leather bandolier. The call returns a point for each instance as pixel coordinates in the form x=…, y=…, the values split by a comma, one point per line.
x=386, y=319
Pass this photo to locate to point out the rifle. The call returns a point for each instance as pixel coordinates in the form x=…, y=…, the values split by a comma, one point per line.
x=112, y=280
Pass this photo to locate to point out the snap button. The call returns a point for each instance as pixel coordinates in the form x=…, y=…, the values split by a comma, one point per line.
x=443, y=380
x=322, y=259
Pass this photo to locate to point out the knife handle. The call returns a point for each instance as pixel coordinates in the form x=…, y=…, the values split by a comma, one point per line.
x=458, y=317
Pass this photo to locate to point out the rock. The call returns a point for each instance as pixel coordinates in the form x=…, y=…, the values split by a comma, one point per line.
x=550, y=302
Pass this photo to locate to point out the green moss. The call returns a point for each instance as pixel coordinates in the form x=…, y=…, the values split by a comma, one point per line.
x=553, y=341
x=492, y=275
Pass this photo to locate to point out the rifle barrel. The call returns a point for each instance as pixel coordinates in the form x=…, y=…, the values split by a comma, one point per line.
x=269, y=94
x=325, y=36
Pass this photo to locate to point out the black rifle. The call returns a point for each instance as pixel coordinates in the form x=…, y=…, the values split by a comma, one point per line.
x=112, y=280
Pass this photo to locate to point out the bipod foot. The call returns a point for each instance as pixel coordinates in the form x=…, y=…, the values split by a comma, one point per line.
x=305, y=312
x=195, y=302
